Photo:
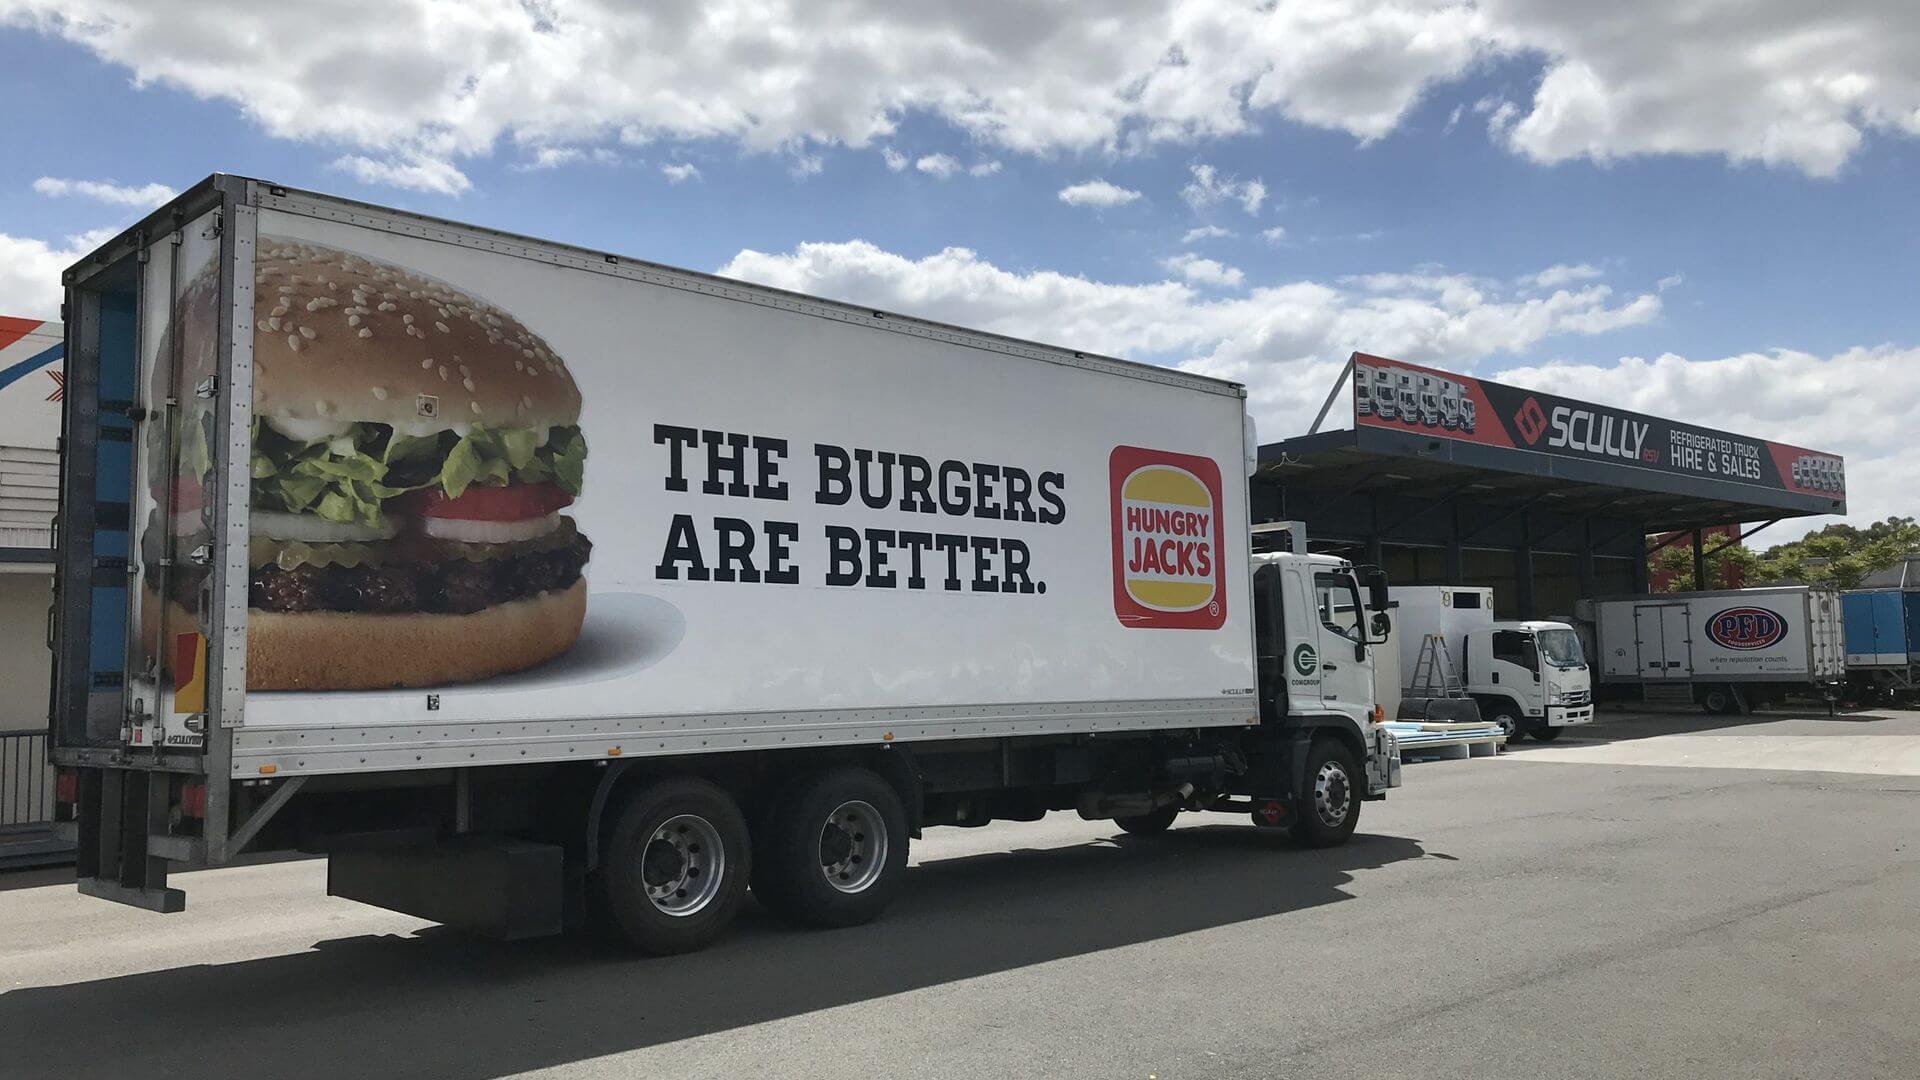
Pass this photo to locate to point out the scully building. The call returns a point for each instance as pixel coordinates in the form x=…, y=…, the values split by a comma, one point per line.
x=1445, y=479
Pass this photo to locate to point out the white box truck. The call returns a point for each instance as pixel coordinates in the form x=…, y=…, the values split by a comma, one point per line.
x=522, y=580
x=1528, y=676
x=1726, y=650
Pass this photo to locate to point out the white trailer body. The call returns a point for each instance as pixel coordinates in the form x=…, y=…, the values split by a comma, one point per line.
x=1783, y=635
x=836, y=554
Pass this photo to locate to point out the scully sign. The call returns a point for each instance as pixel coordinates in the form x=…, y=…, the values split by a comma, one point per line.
x=1398, y=396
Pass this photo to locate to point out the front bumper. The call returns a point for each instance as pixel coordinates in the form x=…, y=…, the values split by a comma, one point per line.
x=1569, y=715
x=1383, y=763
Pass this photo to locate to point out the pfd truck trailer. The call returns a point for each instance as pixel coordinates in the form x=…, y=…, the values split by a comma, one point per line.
x=1726, y=650
x=1530, y=676
x=522, y=580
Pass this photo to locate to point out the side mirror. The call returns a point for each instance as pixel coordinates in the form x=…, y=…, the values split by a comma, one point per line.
x=1382, y=627
x=1378, y=597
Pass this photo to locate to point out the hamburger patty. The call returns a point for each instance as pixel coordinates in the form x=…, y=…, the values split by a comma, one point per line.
x=454, y=586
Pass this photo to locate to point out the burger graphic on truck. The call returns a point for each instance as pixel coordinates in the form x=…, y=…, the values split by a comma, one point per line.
x=413, y=448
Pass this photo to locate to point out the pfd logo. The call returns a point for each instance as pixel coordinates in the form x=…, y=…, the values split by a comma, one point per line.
x=1746, y=628
x=1169, y=565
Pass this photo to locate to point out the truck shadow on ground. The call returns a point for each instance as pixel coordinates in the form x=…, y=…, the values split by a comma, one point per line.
x=441, y=1003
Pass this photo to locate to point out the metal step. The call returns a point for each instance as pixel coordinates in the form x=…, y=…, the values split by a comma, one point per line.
x=1667, y=693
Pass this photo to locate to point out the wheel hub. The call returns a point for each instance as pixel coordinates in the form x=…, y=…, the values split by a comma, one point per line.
x=683, y=865
x=1332, y=794
x=853, y=846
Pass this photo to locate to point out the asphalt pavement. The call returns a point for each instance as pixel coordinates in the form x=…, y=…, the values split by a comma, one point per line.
x=1651, y=897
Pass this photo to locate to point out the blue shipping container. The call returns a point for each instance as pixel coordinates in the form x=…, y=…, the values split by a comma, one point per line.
x=1879, y=624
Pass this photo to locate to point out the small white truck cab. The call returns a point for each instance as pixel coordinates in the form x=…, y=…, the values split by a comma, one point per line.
x=1530, y=676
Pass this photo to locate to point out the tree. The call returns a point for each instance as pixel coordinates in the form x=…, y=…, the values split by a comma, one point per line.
x=1838, y=556
x=1727, y=568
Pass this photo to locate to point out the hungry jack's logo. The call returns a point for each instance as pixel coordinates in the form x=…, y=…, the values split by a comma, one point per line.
x=1169, y=569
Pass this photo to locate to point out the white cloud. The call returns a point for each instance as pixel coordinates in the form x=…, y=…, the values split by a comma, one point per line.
x=145, y=196
x=1778, y=81
x=1565, y=274
x=896, y=161
x=1275, y=235
x=1097, y=193
x=1208, y=188
x=938, y=165
x=1284, y=340
x=1670, y=281
x=1206, y=232
x=1858, y=403
x=1204, y=271
x=805, y=165
x=553, y=157
x=417, y=174
x=30, y=271
x=983, y=168
x=680, y=172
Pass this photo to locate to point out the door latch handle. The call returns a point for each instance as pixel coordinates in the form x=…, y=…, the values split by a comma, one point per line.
x=1330, y=667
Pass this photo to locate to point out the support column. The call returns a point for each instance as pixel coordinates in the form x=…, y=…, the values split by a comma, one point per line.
x=1523, y=567
x=1699, y=562
x=1376, y=549
x=1583, y=567
x=1456, y=557
x=1640, y=564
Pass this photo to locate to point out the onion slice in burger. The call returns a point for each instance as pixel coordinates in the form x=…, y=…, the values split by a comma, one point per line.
x=314, y=529
x=470, y=531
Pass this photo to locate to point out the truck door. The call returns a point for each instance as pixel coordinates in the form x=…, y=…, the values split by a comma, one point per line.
x=1346, y=669
x=1302, y=643
x=1663, y=641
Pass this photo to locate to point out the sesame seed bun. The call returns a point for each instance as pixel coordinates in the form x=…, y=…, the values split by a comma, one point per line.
x=345, y=338
x=340, y=650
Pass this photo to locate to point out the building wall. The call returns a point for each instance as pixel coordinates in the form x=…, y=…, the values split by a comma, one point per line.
x=25, y=664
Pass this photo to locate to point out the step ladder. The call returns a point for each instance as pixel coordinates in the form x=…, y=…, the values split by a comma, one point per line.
x=1434, y=675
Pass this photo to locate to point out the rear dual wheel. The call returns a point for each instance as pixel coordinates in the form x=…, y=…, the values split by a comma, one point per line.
x=676, y=866
x=832, y=848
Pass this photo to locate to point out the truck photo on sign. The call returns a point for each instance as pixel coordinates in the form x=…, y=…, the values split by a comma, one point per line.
x=1396, y=396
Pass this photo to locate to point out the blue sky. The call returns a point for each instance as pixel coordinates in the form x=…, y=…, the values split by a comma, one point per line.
x=1731, y=208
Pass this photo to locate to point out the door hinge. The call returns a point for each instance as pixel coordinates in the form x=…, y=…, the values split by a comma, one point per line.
x=207, y=387
x=214, y=229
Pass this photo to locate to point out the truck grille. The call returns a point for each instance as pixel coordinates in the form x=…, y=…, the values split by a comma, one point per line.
x=1578, y=698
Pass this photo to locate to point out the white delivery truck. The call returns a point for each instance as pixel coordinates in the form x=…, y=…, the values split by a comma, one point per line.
x=1726, y=650
x=523, y=580
x=1528, y=676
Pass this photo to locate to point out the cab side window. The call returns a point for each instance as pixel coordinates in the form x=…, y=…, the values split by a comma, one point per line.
x=1339, y=603
x=1511, y=646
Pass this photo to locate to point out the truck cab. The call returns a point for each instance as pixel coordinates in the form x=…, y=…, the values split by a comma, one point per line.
x=1317, y=621
x=1531, y=677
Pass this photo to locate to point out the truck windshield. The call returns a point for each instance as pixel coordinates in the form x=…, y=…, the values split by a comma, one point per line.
x=1561, y=648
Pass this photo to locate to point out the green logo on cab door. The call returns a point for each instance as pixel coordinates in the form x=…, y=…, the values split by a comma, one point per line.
x=1305, y=660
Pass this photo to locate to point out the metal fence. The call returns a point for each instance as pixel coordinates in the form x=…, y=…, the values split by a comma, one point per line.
x=26, y=780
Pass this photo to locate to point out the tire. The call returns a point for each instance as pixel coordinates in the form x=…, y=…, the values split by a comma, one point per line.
x=1545, y=733
x=675, y=869
x=1147, y=824
x=1327, y=808
x=1720, y=701
x=1508, y=717
x=832, y=849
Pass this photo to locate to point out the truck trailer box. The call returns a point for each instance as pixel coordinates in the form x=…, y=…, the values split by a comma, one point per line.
x=1789, y=634
x=1879, y=626
x=429, y=531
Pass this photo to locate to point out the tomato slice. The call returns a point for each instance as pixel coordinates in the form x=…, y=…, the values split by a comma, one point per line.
x=515, y=502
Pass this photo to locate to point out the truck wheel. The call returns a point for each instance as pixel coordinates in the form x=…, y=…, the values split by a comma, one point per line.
x=1508, y=718
x=1545, y=733
x=675, y=870
x=833, y=849
x=1720, y=701
x=1147, y=824
x=1327, y=810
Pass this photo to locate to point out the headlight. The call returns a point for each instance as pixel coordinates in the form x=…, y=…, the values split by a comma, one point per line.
x=1556, y=696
